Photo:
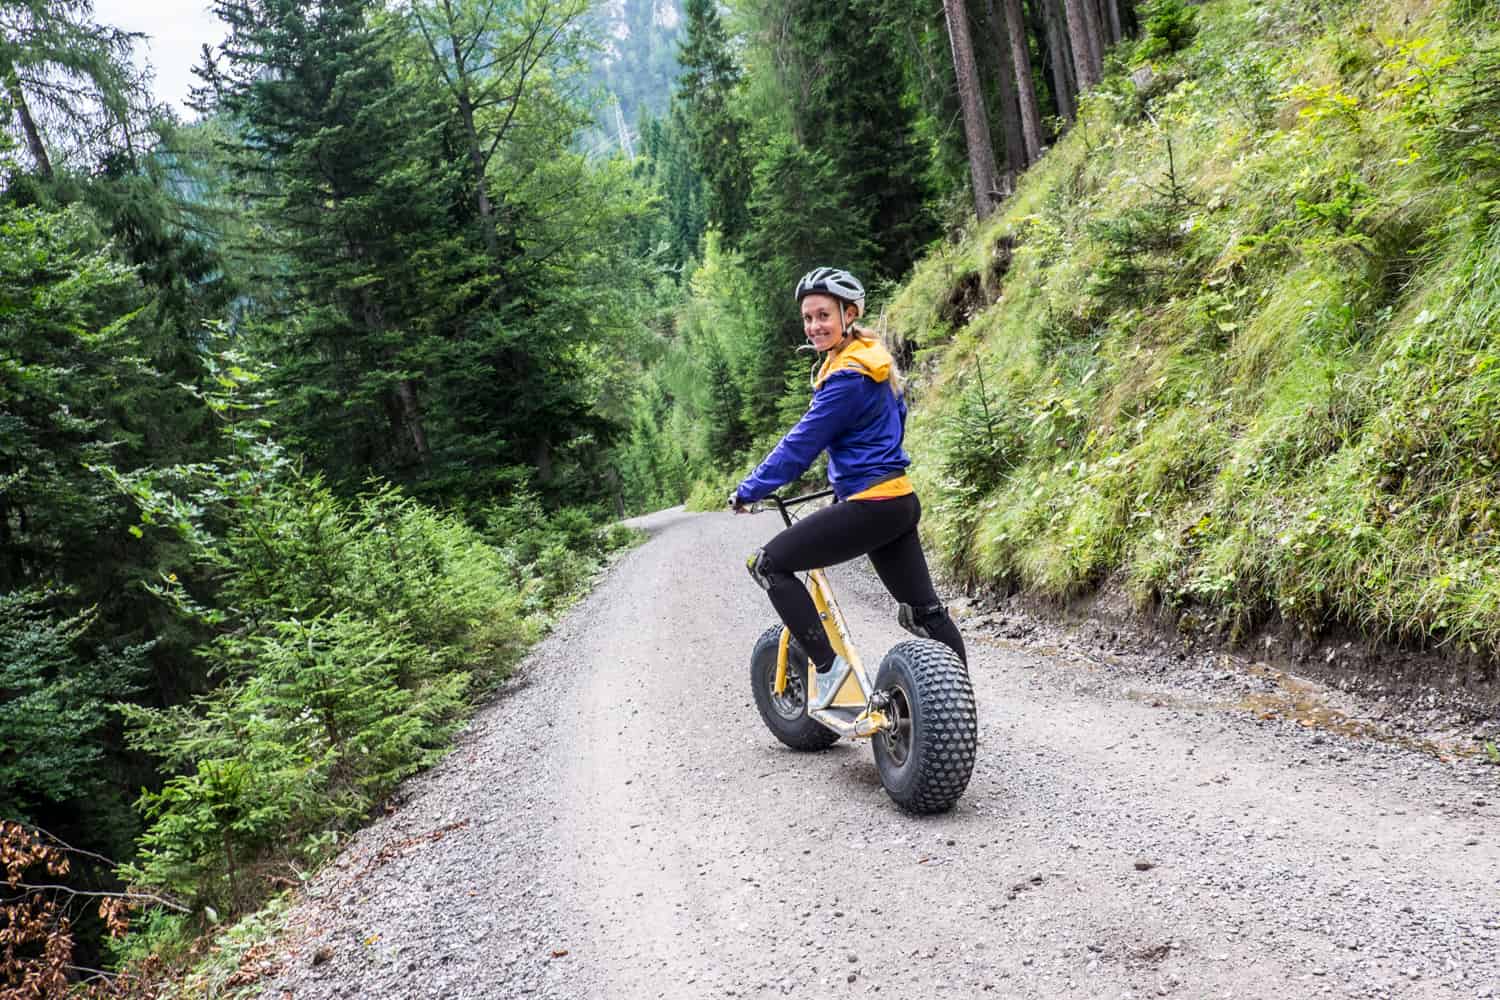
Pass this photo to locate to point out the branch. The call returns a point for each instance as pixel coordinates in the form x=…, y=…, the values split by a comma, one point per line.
x=431, y=46
x=484, y=26
x=58, y=841
x=97, y=973
x=515, y=97
x=142, y=897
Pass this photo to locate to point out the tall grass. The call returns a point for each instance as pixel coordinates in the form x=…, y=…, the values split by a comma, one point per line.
x=1244, y=355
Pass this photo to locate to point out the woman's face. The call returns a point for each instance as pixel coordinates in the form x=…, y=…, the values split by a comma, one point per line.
x=821, y=322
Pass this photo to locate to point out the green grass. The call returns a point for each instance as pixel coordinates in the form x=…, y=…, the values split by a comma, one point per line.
x=1244, y=359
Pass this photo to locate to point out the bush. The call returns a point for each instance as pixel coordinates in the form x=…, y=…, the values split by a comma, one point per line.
x=317, y=721
x=51, y=692
x=1168, y=26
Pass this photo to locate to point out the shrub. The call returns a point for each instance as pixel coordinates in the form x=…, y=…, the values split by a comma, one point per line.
x=317, y=721
x=1168, y=26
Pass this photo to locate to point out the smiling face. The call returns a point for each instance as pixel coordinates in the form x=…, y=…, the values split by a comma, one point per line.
x=821, y=322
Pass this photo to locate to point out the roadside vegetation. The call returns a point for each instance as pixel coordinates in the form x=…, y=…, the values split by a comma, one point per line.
x=1234, y=345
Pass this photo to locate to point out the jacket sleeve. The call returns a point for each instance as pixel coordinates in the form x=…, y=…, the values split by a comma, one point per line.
x=834, y=405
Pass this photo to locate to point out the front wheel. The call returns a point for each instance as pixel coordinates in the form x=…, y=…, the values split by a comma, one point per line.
x=785, y=714
x=926, y=756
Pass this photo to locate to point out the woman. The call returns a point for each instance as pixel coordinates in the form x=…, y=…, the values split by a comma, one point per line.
x=859, y=415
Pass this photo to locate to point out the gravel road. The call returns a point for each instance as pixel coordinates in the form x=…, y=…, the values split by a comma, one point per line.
x=620, y=824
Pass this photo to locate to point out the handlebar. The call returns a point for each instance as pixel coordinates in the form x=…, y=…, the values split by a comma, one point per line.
x=783, y=504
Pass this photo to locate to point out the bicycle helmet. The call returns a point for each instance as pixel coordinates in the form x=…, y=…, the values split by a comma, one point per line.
x=831, y=281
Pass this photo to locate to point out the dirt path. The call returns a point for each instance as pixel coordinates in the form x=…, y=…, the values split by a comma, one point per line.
x=620, y=824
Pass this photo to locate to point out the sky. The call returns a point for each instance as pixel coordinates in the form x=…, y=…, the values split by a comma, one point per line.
x=176, y=30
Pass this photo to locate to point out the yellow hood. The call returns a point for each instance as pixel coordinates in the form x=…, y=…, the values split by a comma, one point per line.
x=868, y=357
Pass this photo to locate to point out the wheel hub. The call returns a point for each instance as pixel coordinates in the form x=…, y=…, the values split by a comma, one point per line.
x=896, y=739
x=791, y=703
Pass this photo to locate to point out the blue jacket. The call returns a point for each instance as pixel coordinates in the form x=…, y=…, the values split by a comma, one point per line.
x=856, y=414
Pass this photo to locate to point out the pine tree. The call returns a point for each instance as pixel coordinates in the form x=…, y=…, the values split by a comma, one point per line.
x=669, y=163
x=1084, y=39
x=1020, y=58
x=706, y=96
x=849, y=106
x=342, y=162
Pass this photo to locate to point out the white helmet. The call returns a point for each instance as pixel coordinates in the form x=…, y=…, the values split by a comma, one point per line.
x=831, y=281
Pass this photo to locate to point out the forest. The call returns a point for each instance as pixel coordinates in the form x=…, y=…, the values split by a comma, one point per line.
x=320, y=405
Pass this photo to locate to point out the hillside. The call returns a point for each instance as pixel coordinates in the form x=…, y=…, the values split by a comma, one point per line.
x=1231, y=347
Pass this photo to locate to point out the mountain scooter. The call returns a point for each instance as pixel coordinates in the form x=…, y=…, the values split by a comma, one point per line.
x=918, y=712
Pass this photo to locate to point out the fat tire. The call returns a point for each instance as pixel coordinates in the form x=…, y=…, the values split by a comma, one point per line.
x=803, y=732
x=944, y=727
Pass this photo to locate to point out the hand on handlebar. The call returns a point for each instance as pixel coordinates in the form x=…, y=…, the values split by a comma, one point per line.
x=737, y=505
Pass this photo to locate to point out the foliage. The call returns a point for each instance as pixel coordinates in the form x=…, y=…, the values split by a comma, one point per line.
x=1242, y=350
x=72, y=92
x=201, y=535
x=1168, y=26
x=350, y=637
x=37, y=933
x=54, y=706
x=315, y=722
x=704, y=102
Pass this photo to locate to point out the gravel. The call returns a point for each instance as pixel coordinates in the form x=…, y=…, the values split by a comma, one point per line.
x=618, y=823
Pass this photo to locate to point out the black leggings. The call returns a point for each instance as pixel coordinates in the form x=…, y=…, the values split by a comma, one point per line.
x=886, y=530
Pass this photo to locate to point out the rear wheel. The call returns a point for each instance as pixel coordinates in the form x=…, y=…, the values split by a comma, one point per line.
x=785, y=714
x=926, y=756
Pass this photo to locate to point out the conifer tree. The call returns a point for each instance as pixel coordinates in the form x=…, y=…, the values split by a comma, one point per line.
x=849, y=106
x=69, y=82
x=341, y=160
x=976, y=121
x=715, y=126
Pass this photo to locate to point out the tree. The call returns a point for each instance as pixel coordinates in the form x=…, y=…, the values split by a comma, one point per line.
x=69, y=81
x=1083, y=35
x=716, y=129
x=847, y=102
x=1004, y=83
x=1051, y=28
x=487, y=55
x=976, y=122
x=669, y=163
x=1020, y=57
x=343, y=163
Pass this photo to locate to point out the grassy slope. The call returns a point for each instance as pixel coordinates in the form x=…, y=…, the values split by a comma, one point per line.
x=1245, y=357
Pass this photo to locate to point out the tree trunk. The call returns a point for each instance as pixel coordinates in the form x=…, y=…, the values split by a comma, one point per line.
x=1020, y=60
x=1080, y=40
x=28, y=124
x=1016, y=158
x=411, y=417
x=1064, y=87
x=403, y=408
x=481, y=194
x=471, y=134
x=1093, y=16
x=976, y=123
x=1112, y=13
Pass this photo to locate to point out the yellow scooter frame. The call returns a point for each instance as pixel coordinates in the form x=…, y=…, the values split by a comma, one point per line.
x=850, y=713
